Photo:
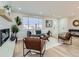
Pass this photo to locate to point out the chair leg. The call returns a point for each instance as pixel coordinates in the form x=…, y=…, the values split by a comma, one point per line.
x=58, y=39
x=47, y=39
x=40, y=54
x=68, y=42
x=16, y=40
x=23, y=48
x=43, y=52
x=71, y=41
x=26, y=53
x=65, y=42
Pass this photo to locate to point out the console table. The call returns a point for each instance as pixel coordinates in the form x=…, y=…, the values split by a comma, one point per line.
x=7, y=49
x=74, y=32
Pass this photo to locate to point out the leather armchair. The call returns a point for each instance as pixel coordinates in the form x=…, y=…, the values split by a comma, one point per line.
x=34, y=43
x=66, y=37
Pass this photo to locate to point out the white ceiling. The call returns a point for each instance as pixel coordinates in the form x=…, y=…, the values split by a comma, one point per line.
x=47, y=8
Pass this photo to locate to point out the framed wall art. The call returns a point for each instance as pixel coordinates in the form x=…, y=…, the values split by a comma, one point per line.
x=48, y=23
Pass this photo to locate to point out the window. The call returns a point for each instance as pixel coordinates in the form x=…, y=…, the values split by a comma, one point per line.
x=25, y=22
x=32, y=23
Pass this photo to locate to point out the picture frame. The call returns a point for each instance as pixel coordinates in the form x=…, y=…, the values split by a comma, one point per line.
x=48, y=23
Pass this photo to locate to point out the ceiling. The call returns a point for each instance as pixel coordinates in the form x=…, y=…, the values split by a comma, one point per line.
x=47, y=8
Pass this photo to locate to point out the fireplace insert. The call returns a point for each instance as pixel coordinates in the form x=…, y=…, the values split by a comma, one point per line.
x=4, y=35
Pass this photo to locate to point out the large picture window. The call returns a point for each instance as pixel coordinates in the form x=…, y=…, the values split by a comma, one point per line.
x=32, y=23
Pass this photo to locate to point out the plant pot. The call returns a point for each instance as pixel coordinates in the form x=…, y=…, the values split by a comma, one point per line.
x=13, y=37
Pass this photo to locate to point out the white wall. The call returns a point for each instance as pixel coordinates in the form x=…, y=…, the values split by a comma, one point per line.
x=59, y=25
x=62, y=25
x=45, y=29
x=70, y=23
x=4, y=23
x=53, y=29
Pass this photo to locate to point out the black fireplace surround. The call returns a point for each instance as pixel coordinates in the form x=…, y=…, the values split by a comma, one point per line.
x=4, y=35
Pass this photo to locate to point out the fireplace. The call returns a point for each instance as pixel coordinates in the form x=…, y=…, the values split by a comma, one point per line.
x=4, y=35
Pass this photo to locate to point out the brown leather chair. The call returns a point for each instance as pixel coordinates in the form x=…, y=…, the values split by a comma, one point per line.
x=66, y=38
x=34, y=43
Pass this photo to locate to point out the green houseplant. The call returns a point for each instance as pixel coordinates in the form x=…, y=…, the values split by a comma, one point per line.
x=14, y=29
x=18, y=20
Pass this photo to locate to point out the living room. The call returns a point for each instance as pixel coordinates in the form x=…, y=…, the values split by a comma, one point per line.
x=50, y=20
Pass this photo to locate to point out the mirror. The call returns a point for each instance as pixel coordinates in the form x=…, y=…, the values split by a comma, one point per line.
x=76, y=23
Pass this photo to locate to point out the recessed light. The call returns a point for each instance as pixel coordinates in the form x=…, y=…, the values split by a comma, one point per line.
x=19, y=8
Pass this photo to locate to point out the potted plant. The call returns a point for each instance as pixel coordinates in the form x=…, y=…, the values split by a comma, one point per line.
x=18, y=20
x=14, y=30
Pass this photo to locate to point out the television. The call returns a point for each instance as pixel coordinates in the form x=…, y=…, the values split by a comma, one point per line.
x=4, y=35
x=38, y=32
x=29, y=33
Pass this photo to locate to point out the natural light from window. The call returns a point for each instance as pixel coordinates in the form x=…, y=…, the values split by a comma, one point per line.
x=32, y=23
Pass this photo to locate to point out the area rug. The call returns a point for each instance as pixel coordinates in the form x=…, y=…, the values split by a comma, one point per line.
x=53, y=42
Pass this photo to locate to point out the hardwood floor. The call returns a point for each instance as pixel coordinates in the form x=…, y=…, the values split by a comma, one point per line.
x=58, y=51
